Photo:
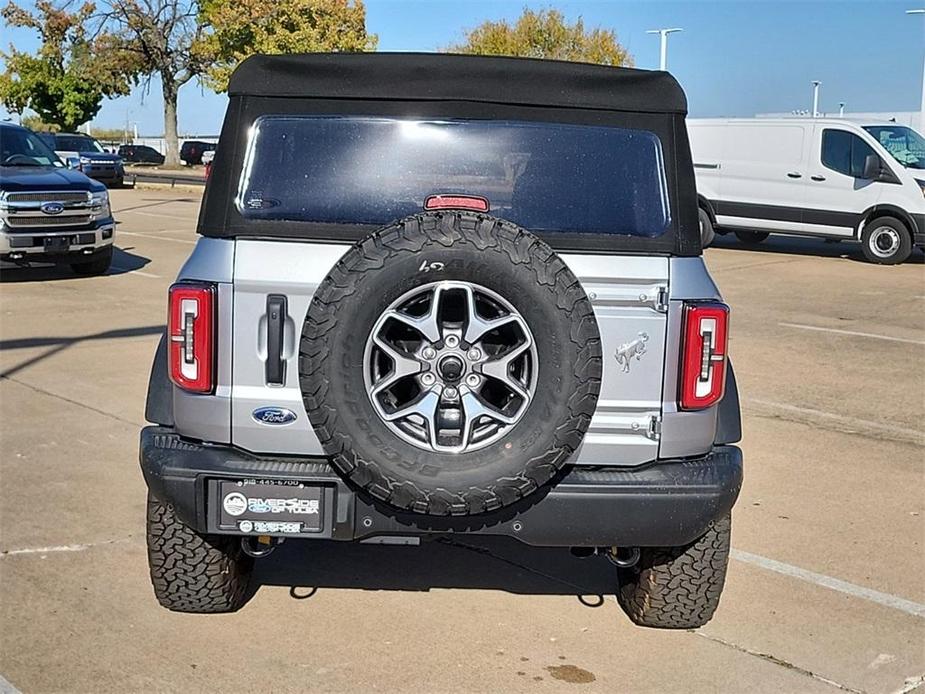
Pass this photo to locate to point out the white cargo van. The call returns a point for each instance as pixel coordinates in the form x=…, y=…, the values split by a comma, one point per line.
x=831, y=178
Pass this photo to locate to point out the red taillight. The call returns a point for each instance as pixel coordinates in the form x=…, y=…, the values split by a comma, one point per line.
x=191, y=331
x=456, y=202
x=703, y=355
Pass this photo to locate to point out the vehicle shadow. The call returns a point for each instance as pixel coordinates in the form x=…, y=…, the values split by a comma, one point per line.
x=123, y=261
x=485, y=563
x=797, y=245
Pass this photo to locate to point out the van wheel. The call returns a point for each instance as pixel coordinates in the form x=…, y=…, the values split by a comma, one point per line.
x=706, y=229
x=886, y=241
x=677, y=587
x=751, y=238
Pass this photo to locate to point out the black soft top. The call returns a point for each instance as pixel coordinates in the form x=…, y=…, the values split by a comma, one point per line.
x=438, y=76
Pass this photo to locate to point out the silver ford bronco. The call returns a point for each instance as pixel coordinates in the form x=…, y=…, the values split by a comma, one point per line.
x=438, y=295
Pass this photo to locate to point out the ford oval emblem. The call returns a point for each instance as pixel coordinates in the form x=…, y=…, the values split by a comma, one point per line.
x=276, y=416
x=52, y=207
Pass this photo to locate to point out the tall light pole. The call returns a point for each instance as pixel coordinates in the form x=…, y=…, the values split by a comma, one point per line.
x=922, y=107
x=841, y=109
x=816, y=85
x=663, y=34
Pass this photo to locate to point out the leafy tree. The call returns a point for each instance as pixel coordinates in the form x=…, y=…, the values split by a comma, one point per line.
x=246, y=27
x=160, y=38
x=545, y=34
x=66, y=81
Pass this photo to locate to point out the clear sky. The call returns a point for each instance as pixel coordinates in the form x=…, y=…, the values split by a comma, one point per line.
x=734, y=58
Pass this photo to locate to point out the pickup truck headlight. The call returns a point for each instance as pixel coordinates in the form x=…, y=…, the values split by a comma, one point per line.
x=85, y=161
x=101, y=199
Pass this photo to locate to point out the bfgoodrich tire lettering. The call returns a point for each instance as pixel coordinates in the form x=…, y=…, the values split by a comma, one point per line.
x=192, y=572
x=677, y=587
x=450, y=246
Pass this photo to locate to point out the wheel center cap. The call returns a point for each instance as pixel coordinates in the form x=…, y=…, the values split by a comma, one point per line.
x=451, y=369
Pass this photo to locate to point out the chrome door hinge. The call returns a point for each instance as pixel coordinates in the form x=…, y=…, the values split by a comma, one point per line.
x=654, y=430
x=661, y=300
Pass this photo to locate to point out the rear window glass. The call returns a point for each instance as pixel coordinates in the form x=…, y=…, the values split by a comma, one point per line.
x=543, y=176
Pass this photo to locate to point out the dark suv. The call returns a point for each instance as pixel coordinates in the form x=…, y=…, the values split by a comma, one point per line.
x=141, y=154
x=469, y=301
x=191, y=151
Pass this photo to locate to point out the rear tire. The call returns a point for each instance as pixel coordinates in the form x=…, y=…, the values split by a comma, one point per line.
x=886, y=241
x=706, y=229
x=192, y=572
x=751, y=238
x=97, y=266
x=677, y=587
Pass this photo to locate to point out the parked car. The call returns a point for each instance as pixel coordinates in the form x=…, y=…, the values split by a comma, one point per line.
x=92, y=157
x=141, y=154
x=191, y=151
x=49, y=213
x=830, y=178
x=472, y=303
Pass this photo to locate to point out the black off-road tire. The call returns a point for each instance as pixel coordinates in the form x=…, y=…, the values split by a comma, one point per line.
x=902, y=250
x=98, y=266
x=192, y=572
x=416, y=251
x=752, y=238
x=677, y=587
x=707, y=234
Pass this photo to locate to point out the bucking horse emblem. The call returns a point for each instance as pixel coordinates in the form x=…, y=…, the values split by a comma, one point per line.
x=635, y=348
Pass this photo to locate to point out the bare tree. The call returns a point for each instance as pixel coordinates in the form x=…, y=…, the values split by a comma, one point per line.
x=162, y=38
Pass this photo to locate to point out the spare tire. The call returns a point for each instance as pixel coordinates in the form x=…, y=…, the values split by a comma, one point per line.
x=450, y=364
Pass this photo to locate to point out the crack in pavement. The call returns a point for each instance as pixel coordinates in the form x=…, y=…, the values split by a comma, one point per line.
x=36, y=389
x=777, y=661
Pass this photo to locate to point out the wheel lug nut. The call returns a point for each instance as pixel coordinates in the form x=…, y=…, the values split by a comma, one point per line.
x=472, y=380
x=429, y=353
x=475, y=354
x=452, y=341
x=428, y=379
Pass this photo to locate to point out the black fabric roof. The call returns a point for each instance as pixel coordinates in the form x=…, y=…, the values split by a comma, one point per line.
x=440, y=76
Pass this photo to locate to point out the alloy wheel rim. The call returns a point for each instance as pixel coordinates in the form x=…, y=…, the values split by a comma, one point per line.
x=450, y=367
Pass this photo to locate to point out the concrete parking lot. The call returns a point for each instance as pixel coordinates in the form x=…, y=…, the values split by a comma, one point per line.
x=825, y=592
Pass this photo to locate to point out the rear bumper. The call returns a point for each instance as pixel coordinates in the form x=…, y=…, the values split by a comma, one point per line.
x=666, y=504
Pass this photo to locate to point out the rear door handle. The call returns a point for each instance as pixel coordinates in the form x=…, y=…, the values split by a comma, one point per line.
x=794, y=174
x=818, y=178
x=276, y=320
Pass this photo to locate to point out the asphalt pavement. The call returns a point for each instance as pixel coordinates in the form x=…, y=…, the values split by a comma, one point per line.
x=825, y=591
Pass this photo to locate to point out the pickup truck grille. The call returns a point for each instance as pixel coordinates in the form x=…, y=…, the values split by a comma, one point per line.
x=16, y=221
x=50, y=196
x=23, y=211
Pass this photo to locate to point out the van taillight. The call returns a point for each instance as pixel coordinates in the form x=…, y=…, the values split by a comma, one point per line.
x=703, y=355
x=191, y=331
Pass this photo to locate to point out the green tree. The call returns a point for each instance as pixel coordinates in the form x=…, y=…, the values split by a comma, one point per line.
x=66, y=80
x=163, y=39
x=246, y=27
x=545, y=34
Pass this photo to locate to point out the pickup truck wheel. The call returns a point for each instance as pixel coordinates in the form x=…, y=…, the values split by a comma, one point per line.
x=677, y=587
x=192, y=572
x=706, y=229
x=751, y=238
x=98, y=266
x=450, y=364
x=886, y=241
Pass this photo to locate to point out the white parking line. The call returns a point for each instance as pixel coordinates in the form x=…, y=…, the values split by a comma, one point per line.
x=61, y=548
x=853, y=333
x=854, y=423
x=155, y=214
x=908, y=606
x=6, y=687
x=135, y=272
x=155, y=237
